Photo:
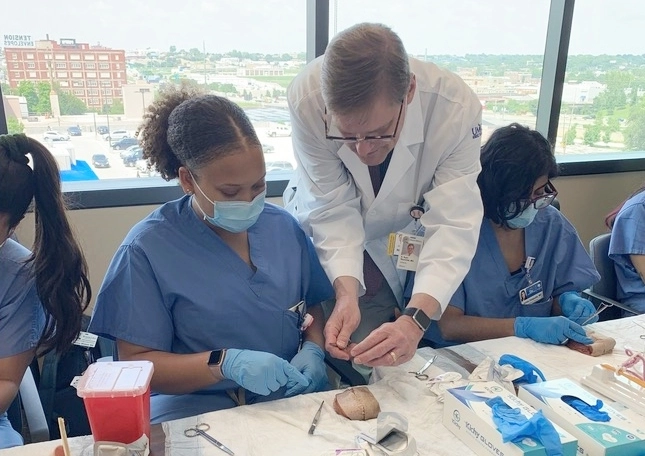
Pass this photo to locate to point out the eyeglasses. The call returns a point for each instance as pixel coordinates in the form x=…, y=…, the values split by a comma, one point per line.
x=542, y=201
x=357, y=139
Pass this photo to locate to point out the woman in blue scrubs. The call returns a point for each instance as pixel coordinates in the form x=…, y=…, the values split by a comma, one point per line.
x=208, y=287
x=42, y=293
x=530, y=264
x=627, y=249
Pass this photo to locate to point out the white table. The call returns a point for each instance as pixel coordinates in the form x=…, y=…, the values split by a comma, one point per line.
x=280, y=427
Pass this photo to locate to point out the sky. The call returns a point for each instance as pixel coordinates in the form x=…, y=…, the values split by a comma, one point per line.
x=455, y=27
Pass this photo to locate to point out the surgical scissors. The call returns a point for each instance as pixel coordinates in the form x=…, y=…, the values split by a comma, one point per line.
x=201, y=429
x=420, y=373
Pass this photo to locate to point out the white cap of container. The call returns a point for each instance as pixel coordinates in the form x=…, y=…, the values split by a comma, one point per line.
x=115, y=379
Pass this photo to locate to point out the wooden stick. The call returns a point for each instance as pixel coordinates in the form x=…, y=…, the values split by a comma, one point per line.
x=63, y=435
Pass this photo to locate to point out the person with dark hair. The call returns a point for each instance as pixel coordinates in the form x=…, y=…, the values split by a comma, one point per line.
x=214, y=288
x=530, y=264
x=43, y=293
x=381, y=138
x=627, y=250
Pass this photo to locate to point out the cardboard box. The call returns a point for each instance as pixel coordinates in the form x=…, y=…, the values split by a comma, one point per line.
x=619, y=436
x=467, y=416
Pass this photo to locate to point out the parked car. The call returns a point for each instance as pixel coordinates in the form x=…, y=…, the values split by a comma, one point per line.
x=135, y=153
x=115, y=135
x=100, y=161
x=279, y=130
x=268, y=148
x=128, y=150
x=144, y=169
x=124, y=143
x=74, y=131
x=102, y=130
x=52, y=135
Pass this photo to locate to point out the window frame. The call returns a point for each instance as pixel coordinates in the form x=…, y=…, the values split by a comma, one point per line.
x=317, y=36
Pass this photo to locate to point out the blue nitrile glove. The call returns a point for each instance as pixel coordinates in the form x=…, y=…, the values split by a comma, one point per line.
x=260, y=372
x=550, y=330
x=310, y=361
x=518, y=363
x=515, y=427
x=577, y=308
x=592, y=412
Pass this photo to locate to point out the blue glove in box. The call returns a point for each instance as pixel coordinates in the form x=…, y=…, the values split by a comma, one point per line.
x=619, y=436
x=467, y=415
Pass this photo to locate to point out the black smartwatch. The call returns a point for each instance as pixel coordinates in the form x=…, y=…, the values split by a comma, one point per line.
x=216, y=359
x=419, y=317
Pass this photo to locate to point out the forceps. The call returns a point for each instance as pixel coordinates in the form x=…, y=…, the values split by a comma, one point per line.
x=420, y=373
x=201, y=429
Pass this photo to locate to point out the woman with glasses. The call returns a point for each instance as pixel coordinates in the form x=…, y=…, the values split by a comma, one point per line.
x=530, y=264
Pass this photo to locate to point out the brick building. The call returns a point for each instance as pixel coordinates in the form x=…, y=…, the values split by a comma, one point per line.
x=95, y=74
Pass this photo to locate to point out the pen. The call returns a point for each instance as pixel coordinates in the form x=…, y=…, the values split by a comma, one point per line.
x=314, y=423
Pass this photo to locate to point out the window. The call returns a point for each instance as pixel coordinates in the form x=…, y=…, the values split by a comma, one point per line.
x=104, y=66
x=93, y=101
x=602, y=115
x=75, y=65
x=77, y=74
x=90, y=74
x=88, y=56
x=106, y=84
x=79, y=92
x=93, y=91
x=104, y=57
x=61, y=66
x=75, y=57
x=59, y=56
x=104, y=75
x=17, y=74
x=61, y=74
x=31, y=65
x=63, y=84
x=107, y=92
x=14, y=56
x=33, y=74
x=15, y=65
x=29, y=56
x=90, y=66
x=504, y=71
x=78, y=84
x=92, y=83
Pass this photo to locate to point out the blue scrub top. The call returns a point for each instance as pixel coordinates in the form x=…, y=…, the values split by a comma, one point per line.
x=22, y=318
x=175, y=286
x=628, y=238
x=490, y=290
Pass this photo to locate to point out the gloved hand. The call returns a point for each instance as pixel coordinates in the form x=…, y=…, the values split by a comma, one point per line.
x=577, y=308
x=310, y=361
x=260, y=372
x=550, y=330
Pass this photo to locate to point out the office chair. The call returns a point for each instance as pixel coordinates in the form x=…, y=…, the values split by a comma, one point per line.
x=604, y=292
x=27, y=404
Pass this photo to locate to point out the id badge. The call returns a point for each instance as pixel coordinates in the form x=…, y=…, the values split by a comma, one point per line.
x=531, y=294
x=409, y=252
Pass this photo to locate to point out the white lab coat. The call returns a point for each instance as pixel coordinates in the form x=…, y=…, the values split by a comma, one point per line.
x=436, y=156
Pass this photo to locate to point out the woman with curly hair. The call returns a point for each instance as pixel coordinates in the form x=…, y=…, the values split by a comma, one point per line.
x=210, y=287
x=42, y=293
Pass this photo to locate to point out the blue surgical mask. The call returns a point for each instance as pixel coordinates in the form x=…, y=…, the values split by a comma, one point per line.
x=233, y=216
x=523, y=219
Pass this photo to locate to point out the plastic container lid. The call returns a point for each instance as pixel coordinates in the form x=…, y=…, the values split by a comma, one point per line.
x=115, y=379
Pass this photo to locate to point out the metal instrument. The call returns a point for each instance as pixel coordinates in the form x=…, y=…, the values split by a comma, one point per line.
x=200, y=430
x=420, y=373
x=314, y=423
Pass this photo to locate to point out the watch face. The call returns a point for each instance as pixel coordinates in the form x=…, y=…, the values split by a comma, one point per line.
x=215, y=358
x=423, y=319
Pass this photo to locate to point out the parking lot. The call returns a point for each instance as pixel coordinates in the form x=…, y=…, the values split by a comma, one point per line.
x=90, y=143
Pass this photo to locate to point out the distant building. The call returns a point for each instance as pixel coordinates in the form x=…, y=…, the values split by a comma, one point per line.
x=581, y=92
x=95, y=74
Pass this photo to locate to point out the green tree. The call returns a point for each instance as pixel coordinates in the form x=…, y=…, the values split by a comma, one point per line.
x=635, y=131
x=43, y=89
x=70, y=105
x=27, y=89
x=173, y=49
x=7, y=89
x=14, y=125
x=117, y=106
x=570, y=135
x=592, y=134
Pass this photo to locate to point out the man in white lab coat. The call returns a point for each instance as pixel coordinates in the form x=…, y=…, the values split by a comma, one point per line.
x=376, y=133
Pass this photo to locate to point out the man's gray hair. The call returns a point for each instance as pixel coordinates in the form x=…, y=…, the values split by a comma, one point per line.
x=361, y=63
